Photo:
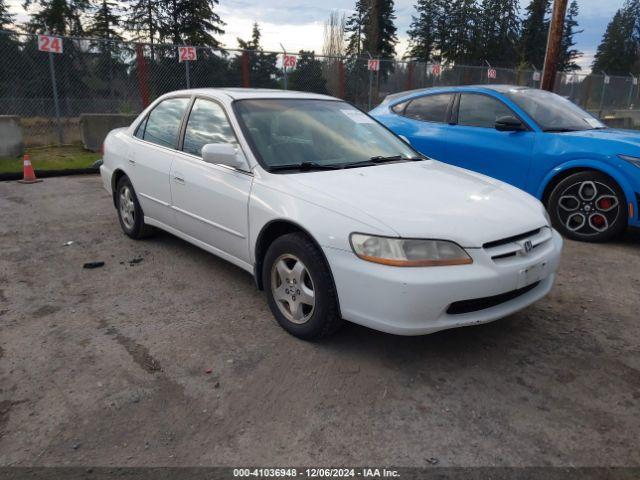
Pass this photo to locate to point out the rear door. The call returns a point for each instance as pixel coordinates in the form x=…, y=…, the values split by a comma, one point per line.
x=152, y=151
x=425, y=123
x=475, y=144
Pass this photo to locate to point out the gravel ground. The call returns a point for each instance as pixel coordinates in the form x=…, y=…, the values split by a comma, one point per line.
x=110, y=366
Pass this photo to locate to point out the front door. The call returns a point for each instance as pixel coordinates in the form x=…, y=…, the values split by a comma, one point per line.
x=475, y=144
x=211, y=201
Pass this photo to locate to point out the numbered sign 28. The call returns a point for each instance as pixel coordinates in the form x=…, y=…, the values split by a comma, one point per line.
x=49, y=43
x=373, y=65
x=436, y=69
x=187, y=54
x=491, y=73
x=289, y=61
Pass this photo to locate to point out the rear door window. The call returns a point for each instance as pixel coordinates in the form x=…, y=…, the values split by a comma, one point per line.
x=430, y=108
x=163, y=123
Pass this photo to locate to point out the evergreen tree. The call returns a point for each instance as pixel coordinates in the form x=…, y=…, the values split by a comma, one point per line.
x=105, y=22
x=58, y=17
x=192, y=22
x=533, y=42
x=146, y=19
x=498, y=32
x=307, y=75
x=458, y=31
x=262, y=66
x=6, y=18
x=423, y=32
x=355, y=28
x=568, y=54
x=380, y=37
x=617, y=53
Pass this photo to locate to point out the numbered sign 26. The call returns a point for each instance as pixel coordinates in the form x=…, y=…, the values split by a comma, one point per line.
x=187, y=54
x=373, y=65
x=491, y=73
x=436, y=69
x=49, y=43
x=289, y=61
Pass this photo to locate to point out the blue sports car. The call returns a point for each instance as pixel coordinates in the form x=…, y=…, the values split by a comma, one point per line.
x=586, y=174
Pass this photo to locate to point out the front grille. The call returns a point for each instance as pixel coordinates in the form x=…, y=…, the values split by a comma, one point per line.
x=477, y=304
x=515, y=238
x=510, y=248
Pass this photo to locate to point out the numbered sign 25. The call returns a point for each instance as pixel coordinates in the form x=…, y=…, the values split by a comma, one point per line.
x=373, y=65
x=289, y=61
x=48, y=43
x=187, y=54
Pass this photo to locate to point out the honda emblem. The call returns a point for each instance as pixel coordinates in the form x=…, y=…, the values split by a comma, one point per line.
x=528, y=246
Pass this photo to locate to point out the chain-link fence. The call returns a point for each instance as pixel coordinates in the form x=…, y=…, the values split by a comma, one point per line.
x=50, y=90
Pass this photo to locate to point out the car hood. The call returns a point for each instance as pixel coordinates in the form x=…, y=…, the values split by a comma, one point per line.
x=429, y=199
x=629, y=137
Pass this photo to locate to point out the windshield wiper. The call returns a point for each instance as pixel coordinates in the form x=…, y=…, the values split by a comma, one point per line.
x=393, y=158
x=559, y=130
x=304, y=166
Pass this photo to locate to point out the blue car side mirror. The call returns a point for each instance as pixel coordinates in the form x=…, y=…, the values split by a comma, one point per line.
x=509, y=124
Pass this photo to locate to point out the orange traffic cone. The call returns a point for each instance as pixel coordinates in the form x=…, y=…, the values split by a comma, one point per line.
x=28, y=175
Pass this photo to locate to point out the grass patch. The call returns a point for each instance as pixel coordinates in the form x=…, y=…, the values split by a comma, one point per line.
x=52, y=158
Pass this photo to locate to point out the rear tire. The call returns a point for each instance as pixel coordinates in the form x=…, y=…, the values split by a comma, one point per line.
x=589, y=207
x=299, y=288
x=129, y=211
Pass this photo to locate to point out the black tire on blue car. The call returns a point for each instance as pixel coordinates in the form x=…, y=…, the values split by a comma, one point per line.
x=588, y=206
x=299, y=287
x=130, y=213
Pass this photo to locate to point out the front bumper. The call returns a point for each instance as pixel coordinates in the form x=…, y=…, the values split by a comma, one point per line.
x=414, y=301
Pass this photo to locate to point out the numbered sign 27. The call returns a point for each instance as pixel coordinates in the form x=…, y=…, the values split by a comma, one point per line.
x=289, y=61
x=49, y=43
x=187, y=54
x=373, y=65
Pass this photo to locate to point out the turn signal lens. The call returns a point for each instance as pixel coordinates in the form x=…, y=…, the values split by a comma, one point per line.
x=400, y=252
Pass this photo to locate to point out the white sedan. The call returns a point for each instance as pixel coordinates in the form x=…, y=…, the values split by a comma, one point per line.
x=335, y=216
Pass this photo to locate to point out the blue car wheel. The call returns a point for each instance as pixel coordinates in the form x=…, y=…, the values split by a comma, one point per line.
x=588, y=206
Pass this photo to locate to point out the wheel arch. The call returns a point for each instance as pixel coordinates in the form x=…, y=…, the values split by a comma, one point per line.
x=268, y=234
x=559, y=173
x=117, y=174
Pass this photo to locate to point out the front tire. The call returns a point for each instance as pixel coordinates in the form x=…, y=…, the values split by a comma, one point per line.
x=299, y=288
x=129, y=211
x=589, y=207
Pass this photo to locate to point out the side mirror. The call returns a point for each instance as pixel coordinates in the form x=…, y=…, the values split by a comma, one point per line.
x=224, y=154
x=406, y=140
x=509, y=124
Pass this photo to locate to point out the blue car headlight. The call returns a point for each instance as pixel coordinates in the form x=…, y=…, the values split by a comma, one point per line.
x=633, y=160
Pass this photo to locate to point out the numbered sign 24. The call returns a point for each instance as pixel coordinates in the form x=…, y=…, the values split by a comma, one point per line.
x=49, y=43
x=373, y=65
x=289, y=61
x=187, y=54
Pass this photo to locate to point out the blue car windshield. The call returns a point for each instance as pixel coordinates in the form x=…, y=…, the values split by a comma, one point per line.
x=321, y=133
x=552, y=112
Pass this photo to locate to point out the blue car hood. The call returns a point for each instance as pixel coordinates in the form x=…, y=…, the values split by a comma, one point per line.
x=630, y=137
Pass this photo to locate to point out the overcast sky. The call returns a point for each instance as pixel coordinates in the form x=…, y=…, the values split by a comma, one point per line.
x=298, y=24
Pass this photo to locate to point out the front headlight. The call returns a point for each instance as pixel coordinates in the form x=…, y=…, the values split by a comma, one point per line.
x=546, y=216
x=634, y=160
x=400, y=252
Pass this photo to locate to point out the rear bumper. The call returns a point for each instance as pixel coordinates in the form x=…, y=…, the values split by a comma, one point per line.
x=415, y=301
x=105, y=175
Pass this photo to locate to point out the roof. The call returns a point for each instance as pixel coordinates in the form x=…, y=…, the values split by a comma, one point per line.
x=243, y=93
x=457, y=88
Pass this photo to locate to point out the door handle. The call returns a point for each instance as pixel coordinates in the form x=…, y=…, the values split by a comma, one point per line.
x=132, y=161
x=178, y=178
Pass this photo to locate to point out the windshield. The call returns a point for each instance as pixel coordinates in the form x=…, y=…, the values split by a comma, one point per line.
x=553, y=112
x=320, y=133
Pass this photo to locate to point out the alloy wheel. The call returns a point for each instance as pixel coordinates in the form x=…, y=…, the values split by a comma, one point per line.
x=127, y=207
x=292, y=288
x=588, y=208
